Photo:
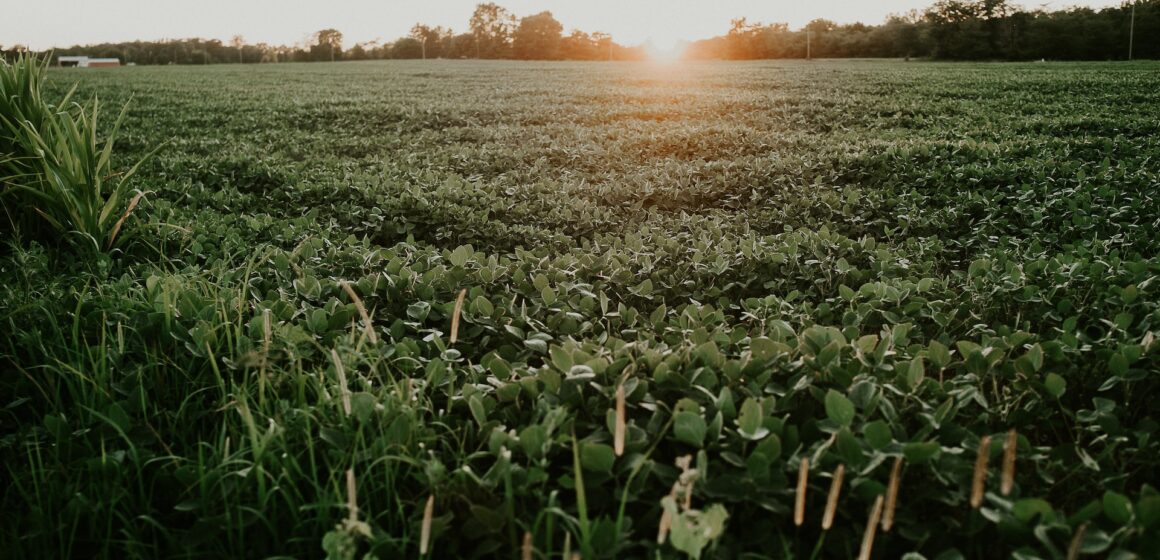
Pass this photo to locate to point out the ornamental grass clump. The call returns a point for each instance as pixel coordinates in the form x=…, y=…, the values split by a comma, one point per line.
x=56, y=174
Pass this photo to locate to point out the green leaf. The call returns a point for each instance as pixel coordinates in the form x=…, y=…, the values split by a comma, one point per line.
x=597, y=457
x=763, y=348
x=1035, y=356
x=708, y=354
x=878, y=434
x=643, y=289
x=828, y=354
x=561, y=359
x=939, y=355
x=1095, y=541
x=482, y=306
x=461, y=255
x=849, y=448
x=658, y=314
x=362, y=404
x=1148, y=510
x=920, y=451
x=1117, y=507
x=690, y=428
x=839, y=408
x=915, y=373
x=478, y=412
x=1055, y=385
x=1026, y=509
x=749, y=420
x=532, y=439
x=1118, y=365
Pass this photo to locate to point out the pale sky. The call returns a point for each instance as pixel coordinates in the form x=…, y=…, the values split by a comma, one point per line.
x=41, y=24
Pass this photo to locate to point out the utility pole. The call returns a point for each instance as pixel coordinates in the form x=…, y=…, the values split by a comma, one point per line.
x=1132, y=30
x=424, y=47
x=809, y=34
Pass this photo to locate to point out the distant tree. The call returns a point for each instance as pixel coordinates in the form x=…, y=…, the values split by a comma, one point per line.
x=579, y=45
x=433, y=40
x=538, y=37
x=903, y=34
x=492, y=26
x=327, y=45
x=239, y=43
x=604, y=46
x=406, y=48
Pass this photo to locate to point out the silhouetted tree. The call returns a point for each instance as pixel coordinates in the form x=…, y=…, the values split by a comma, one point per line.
x=492, y=26
x=327, y=45
x=537, y=37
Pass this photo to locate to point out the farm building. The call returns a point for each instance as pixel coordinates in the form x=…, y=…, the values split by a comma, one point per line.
x=86, y=62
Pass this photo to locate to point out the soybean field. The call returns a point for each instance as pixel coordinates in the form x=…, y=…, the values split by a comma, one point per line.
x=467, y=309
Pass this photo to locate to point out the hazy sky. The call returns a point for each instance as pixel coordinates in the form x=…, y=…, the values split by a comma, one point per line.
x=41, y=24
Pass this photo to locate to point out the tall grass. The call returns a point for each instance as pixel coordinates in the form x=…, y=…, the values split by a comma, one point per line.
x=56, y=170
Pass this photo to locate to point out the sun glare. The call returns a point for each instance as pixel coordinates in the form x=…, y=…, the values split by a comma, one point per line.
x=665, y=49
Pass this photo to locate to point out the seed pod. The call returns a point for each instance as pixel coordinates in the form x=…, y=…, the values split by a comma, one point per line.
x=618, y=433
x=832, y=500
x=425, y=530
x=799, y=505
x=455, y=315
x=892, y=495
x=871, y=527
x=979, y=480
x=1073, y=549
x=368, y=327
x=351, y=495
x=528, y=549
x=1009, y=449
x=344, y=391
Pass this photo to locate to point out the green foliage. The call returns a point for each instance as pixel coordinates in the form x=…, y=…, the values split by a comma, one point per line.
x=57, y=172
x=850, y=264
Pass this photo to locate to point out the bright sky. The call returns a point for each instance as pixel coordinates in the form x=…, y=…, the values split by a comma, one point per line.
x=41, y=24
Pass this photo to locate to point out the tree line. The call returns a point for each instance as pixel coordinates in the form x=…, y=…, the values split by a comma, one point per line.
x=954, y=30
x=493, y=32
x=948, y=29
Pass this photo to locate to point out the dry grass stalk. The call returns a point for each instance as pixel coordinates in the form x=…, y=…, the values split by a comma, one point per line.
x=117, y=227
x=425, y=531
x=799, y=505
x=351, y=495
x=663, y=530
x=344, y=391
x=362, y=311
x=892, y=495
x=1076, y=545
x=871, y=528
x=978, y=482
x=267, y=332
x=267, y=336
x=832, y=500
x=618, y=433
x=528, y=550
x=1008, y=482
x=455, y=315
